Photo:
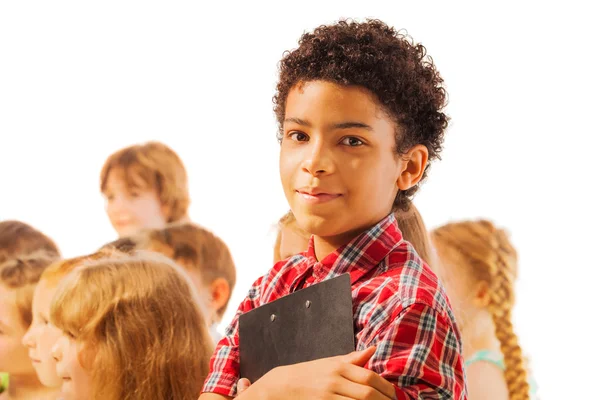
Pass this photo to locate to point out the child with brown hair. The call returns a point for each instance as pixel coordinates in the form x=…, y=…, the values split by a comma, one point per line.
x=18, y=277
x=359, y=107
x=20, y=240
x=17, y=238
x=292, y=240
x=131, y=329
x=204, y=256
x=478, y=265
x=145, y=187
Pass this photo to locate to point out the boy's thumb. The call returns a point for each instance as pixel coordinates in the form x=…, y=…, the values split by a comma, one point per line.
x=242, y=385
x=360, y=358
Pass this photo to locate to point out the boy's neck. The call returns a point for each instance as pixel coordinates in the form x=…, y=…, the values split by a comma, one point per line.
x=325, y=245
x=29, y=388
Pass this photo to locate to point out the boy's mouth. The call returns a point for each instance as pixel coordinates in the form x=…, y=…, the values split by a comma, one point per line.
x=316, y=196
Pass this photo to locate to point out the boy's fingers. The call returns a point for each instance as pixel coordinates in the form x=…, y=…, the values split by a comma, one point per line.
x=359, y=358
x=353, y=390
x=369, y=379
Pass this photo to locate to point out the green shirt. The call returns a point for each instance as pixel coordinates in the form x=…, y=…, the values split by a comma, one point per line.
x=3, y=381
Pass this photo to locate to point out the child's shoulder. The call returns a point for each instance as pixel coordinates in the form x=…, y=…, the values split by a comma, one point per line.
x=276, y=278
x=409, y=280
x=401, y=284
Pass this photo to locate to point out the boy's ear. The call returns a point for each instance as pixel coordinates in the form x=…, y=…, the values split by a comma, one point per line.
x=413, y=164
x=219, y=293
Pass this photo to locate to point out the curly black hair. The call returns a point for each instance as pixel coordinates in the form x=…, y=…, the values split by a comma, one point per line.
x=383, y=60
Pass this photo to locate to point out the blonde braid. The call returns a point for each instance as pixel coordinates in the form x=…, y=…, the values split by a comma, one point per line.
x=501, y=303
x=491, y=258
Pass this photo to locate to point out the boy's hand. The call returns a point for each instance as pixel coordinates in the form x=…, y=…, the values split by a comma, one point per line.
x=332, y=378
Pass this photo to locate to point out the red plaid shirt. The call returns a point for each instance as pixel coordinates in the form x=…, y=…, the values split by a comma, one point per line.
x=398, y=305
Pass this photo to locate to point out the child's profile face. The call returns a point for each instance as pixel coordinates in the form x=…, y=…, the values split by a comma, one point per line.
x=338, y=165
x=13, y=355
x=76, y=380
x=292, y=242
x=42, y=335
x=132, y=209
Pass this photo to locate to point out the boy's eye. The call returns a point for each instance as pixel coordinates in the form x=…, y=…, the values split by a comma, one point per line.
x=352, y=141
x=299, y=136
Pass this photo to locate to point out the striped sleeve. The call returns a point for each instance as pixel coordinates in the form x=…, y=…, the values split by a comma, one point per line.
x=419, y=352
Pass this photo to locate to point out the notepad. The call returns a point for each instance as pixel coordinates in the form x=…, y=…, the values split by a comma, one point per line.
x=312, y=323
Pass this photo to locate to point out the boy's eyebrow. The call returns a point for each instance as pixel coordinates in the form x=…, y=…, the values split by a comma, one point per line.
x=341, y=125
x=352, y=124
x=298, y=121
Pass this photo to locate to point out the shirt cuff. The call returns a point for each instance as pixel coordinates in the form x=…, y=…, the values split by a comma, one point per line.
x=220, y=383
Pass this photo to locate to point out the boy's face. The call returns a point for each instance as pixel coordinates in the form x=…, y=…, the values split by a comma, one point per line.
x=338, y=165
x=42, y=335
x=132, y=209
x=13, y=355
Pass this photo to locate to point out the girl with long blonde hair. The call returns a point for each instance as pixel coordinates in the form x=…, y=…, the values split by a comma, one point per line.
x=478, y=265
x=132, y=329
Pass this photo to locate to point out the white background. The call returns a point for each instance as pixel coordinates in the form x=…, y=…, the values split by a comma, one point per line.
x=80, y=80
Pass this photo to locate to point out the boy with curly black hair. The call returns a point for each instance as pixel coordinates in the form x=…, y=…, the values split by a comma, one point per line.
x=359, y=107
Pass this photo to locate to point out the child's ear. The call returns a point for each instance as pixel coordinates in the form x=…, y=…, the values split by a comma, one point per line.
x=220, y=293
x=165, y=210
x=481, y=296
x=413, y=165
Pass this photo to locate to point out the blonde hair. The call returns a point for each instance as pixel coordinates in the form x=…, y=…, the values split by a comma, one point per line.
x=196, y=249
x=288, y=220
x=159, y=167
x=410, y=223
x=17, y=238
x=142, y=332
x=22, y=274
x=490, y=257
x=412, y=226
x=59, y=269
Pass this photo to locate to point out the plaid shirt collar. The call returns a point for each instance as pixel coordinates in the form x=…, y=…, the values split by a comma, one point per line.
x=361, y=255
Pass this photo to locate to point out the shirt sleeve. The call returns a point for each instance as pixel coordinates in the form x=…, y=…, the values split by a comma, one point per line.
x=225, y=361
x=419, y=352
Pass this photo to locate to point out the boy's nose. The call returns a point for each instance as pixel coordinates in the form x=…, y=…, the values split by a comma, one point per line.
x=318, y=160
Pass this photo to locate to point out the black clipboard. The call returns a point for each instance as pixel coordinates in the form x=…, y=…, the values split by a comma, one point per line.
x=312, y=323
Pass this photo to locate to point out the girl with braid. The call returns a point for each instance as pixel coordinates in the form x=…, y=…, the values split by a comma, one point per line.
x=478, y=266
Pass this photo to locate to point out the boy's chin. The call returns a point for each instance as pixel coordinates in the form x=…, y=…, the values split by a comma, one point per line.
x=318, y=225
